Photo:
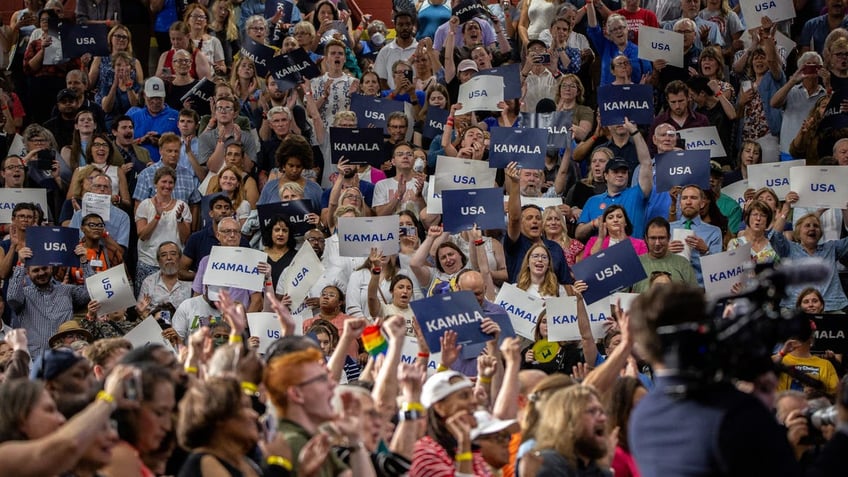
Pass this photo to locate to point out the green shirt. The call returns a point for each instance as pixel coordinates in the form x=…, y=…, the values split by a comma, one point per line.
x=730, y=209
x=680, y=269
x=297, y=437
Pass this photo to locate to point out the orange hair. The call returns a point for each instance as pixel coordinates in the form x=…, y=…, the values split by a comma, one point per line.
x=284, y=372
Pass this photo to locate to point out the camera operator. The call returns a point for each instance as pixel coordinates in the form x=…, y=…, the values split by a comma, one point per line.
x=831, y=459
x=688, y=425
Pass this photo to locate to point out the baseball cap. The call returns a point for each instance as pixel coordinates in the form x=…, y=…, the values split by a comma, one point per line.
x=53, y=362
x=442, y=385
x=715, y=168
x=66, y=94
x=466, y=65
x=489, y=424
x=154, y=87
x=616, y=163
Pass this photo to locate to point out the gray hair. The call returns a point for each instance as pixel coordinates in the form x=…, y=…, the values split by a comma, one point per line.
x=809, y=56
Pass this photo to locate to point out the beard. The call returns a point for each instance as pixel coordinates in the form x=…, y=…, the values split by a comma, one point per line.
x=170, y=269
x=589, y=446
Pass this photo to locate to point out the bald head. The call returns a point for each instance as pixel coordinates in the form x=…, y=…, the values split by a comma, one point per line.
x=473, y=281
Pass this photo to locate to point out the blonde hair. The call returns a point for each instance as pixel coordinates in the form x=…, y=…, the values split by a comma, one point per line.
x=549, y=285
x=293, y=187
x=563, y=423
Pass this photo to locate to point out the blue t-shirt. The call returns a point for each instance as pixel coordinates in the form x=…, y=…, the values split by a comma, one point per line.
x=633, y=201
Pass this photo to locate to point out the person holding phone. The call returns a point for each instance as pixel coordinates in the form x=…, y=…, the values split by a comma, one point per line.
x=613, y=44
x=539, y=75
x=798, y=97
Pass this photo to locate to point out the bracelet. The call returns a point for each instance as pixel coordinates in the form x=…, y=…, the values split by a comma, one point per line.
x=718, y=94
x=249, y=388
x=464, y=457
x=449, y=122
x=412, y=406
x=157, y=217
x=376, y=270
x=106, y=397
x=441, y=368
x=478, y=242
x=781, y=353
x=191, y=369
x=279, y=461
x=269, y=283
x=634, y=133
x=424, y=355
x=235, y=339
x=410, y=415
x=594, y=138
x=485, y=379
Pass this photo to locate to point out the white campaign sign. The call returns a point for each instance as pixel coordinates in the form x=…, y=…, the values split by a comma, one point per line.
x=409, y=353
x=357, y=235
x=625, y=299
x=456, y=174
x=304, y=271
x=703, y=138
x=100, y=204
x=754, y=10
x=9, y=198
x=774, y=175
x=821, y=187
x=736, y=191
x=722, y=270
x=266, y=326
x=598, y=313
x=235, y=267
x=147, y=332
x=523, y=309
x=682, y=234
x=481, y=93
x=112, y=289
x=561, y=313
x=659, y=44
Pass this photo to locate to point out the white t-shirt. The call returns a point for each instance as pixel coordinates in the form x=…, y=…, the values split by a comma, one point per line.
x=187, y=317
x=166, y=230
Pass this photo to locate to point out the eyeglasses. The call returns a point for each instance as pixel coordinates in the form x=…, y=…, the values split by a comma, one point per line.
x=37, y=139
x=24, y=217
x=568, y=86
x=224, y=109
x=99, y=144
x=198, y=16
x=229, y=231
x=258, y=28
x=183, y=61
x=315, y=240
x=617, y=29
x=94, y=225
x=120, y=37
x=321, y=378
x=539, y=256
x=14, y=168
x=329, y=295
x=500, y=437
x=596, y=411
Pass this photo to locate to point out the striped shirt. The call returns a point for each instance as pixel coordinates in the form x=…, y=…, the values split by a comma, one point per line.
x=40, y=310
x=429, y=459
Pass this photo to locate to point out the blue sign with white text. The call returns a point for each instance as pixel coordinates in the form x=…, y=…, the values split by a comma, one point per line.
x=457, y=311
x=483, y=207
x=511, y=75
x=526, y=146
x=78, y=40
x=373, y=112
x=633, y=101
x=609, y=271
x=680, y=168
x=294, y=211
x=53, y=246
x=434, y=123
x=259, y=53
x=358, y=146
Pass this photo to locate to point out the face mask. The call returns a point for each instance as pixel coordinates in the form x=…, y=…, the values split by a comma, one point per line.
x=378, y=39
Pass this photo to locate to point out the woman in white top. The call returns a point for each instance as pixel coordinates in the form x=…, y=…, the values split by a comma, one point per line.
x=99, y=154
x=386, y=268
x=229, y=182
x=535, y=17
x=159, y=219
x=196, y=16
x=536, y=276
x=397, y=303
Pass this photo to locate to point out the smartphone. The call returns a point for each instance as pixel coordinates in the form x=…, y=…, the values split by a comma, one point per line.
x=544, y=59
x=45, y=159
x=745, y=84
x=408, y=231
x=408, y=75
x=810, y=69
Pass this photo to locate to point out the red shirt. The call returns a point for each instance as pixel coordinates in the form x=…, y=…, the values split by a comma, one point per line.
x=637, y=19
x=429, y=459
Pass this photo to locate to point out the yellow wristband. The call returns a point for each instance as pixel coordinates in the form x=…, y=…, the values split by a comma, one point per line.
x=463, y=457
x=485, y=379
x=249, y=388
x=235, y=339
x=441, y=368
x=412, y=406
x=104, y=396
x=191, y=369
x=279, y=461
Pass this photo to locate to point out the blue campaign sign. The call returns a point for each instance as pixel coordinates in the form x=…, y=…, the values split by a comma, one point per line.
x=259, y=53
x=373, y=112
x=483, y=207
x=294, y=211
x=434, y=123
x=634, y=102
x=458, y=311
x=609, y=271
x=53, y=246
x=293, y=67
x=284, y=6
x=507, y=331
x=200, y=93
x=511, y=75
x=359, y=145
x=469, y=9
x=680, y=168
x=834, y=117
x=526, y=146
x=558, y=124
x=78, y=40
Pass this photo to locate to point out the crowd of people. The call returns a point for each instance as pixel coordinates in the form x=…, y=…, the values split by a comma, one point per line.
x=177, y=176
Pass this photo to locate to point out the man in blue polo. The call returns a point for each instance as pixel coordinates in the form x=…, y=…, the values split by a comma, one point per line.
x=155, y=118
x=633, y=199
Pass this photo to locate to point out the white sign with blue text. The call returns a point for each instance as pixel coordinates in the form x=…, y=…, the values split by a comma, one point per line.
x=523, y=308
x=723, y=270
x=455, y=174
x=357, y=235
x=754, y=10
x=481, y=93
x=820, y=187
x=112, y=289
x=266, y=326
x=235, y=267
x=303, y=272
x=774, y=175
x=148, y=332
x=9, y=198
x=736, y=191
x=705, y=137
x=659, y=44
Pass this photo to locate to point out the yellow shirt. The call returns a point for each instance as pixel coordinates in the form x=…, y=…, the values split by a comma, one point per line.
x=814, y=367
